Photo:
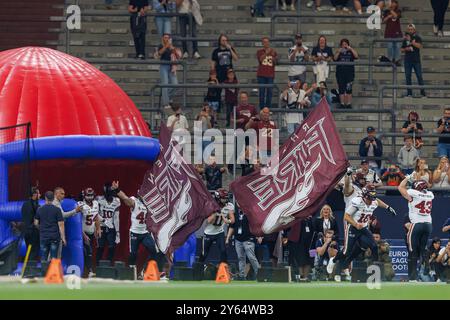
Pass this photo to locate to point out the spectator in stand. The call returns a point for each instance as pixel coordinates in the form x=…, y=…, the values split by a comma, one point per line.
x=138, y=22
x=443, y=128
x=244, y=111
x=290, y=3
x=421, y=172
x=213, y=174
x=393, y=30
x=321, y=55
x=257, y=9
x=336, y=5
x=244, y=243
x=163, y=24
x=345, y=75
x=267, y=59
x=411, y=46
x=439, y=8
x=446, y=226
x=264, y=127
x=222, y=58
x=168, y=72
x=443, y=262
x=298, y=53
x=207, y=123
x=189, y=7
x=295, y=98
x=371, y=146
x=359, y=4
x=231, y=95
x=213, y=95
x=407, y=156
x=433, y=252
x=370, y=175
x=392, y=177
x=320, y=92
x=414, y=128
x=50, y=222
x=31, y=233
x=326, y=221
x=177, y=122
x=441, y=176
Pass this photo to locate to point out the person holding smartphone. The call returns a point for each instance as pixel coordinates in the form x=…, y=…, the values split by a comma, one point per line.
x=443, y=128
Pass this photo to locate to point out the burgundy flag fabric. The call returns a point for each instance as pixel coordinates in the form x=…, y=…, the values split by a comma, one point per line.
x=311, y=162
x=175, y=196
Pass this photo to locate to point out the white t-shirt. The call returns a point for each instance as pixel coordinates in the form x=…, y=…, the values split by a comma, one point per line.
x=181, y=125
x=217, y=226
x=293, y=97
x=371, y=176
x=89, y=214
x=420, y=206
x=138, y=217
x=295, y=70
x=360, y=211
x=108, y=212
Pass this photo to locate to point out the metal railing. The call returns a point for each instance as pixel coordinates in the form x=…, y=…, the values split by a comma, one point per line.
x=232, y=38
x=112, y=14
x=276, y=15
x=394, y=135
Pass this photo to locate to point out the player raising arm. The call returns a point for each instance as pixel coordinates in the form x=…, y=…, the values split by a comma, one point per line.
x=420, y=202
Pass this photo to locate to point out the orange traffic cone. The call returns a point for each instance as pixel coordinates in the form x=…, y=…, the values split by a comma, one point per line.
x=54, y=272
x=152, y=272
x=223, y=276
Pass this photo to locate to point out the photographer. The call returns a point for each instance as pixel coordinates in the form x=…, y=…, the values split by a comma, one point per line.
x=295, y=98
x=443, y=262
x=326, y=248
x=433, y=251
x=443, y=128
x=383, y=256
x=370, y=146
x=392, y=177
x=414, y=128
x=407, y=156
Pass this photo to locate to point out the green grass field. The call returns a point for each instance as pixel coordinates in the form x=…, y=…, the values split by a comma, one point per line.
x=208, y=290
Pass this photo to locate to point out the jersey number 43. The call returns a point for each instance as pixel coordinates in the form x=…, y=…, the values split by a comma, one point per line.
x=424, y=207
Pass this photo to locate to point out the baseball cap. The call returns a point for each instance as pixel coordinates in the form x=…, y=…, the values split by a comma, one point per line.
x=298, y=36
x=50, y=196
x=364, y=161
x=370, y=129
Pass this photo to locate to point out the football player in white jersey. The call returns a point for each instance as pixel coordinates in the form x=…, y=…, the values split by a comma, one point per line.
x=352, y=189
x=109, y=223
x=357, y=233
x=214, y=231
x=420, y=203
x=138, y=229
x=91, y=226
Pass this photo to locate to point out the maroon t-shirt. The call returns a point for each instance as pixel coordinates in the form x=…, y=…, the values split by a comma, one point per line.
x=393, y=27
x=266, y=67
x=264, y=128
x=244, y=112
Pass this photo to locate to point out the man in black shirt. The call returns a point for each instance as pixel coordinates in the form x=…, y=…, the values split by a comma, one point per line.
x=222, y=58
x=31, y=234
x=50, y=222
x=411, y=46
x=138, y=23
x=244, y=243
x=213, y=175
x=443, y=127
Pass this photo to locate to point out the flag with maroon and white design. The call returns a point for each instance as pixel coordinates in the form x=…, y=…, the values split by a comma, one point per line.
x=175, y=196
x=310, y=163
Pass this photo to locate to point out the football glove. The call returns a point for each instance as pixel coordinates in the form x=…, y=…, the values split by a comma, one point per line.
x=349, y=171
x=391, y=211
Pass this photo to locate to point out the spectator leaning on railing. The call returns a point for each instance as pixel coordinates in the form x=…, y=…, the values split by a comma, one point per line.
x=295, y=98
x=443, y=128
x=421, y=172
x=407, y=156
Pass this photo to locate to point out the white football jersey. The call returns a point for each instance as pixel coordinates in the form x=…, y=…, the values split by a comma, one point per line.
x=108, y=210
x=89, y=214
x=420, y=206
x=356, y=193
x=360, y=211
x=217, y=226
x=138, y=217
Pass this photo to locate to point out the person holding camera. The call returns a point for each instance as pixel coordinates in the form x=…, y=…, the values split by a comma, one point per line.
x=443, y=128
x=298, y=53
x=414, y=128
x=138, y=22
x=326, y=248
x=407, y=156
x=295, y=98
x=441, y=176
x=345, y=74
x=392, y=177
x=411, y=46
x=443, y=263
x=320, y=92
x=421, y=172
x=168, y=72
x=383, y=256
x=371, y=146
